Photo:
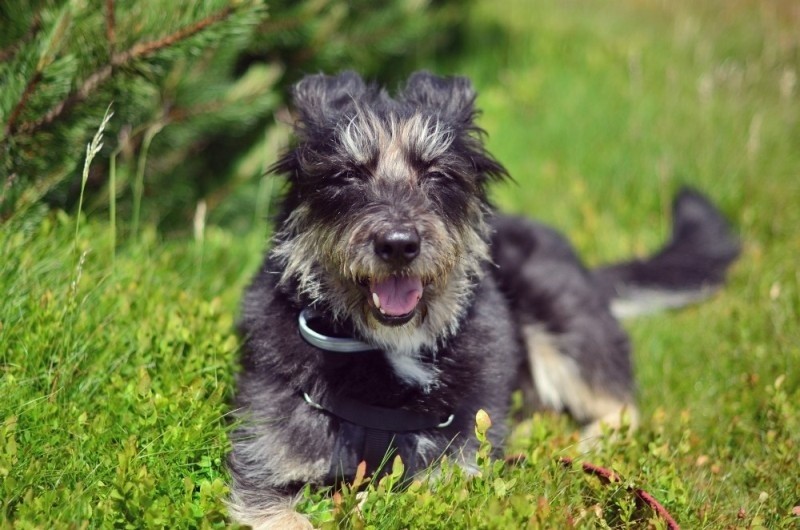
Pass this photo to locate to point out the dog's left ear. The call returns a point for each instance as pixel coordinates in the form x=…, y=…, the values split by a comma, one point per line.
x=322, y=98
x=452, y=97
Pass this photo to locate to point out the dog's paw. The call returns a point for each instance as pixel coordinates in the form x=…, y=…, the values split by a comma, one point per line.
x=283, y=520
x=618, y=424
x=274, y=516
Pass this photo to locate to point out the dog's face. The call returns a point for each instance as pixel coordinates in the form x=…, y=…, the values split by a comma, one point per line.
x=384, y=218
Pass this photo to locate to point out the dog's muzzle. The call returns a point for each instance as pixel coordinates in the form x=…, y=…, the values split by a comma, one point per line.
x=394, y=298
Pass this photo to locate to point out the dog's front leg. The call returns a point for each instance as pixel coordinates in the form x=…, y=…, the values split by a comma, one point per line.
x=273, y=456
x=266, y=510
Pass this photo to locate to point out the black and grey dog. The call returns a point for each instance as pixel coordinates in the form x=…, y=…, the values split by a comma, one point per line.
x=394, y=303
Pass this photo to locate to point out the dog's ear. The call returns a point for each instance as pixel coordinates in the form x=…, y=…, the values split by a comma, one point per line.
x=320, y=98
x=452, y=97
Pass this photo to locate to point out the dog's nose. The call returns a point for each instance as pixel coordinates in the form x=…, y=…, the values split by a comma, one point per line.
x=397, y=246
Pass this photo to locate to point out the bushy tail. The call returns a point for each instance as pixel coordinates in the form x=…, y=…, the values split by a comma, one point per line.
x=689, y=267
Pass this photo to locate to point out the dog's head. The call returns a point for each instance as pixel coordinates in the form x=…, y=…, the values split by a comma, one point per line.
x=383, y=221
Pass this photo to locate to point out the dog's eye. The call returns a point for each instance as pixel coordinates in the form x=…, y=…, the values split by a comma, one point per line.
x=347, y=175
x=437, y=176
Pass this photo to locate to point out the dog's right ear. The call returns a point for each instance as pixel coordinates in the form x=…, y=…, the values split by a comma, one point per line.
x=321, y=98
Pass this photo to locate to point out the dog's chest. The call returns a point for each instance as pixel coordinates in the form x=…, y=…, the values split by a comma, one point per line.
x=414, y=371
x=377, y=414
x=383, y=379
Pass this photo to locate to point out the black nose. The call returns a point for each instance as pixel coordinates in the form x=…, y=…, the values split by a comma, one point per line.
x=398, y=246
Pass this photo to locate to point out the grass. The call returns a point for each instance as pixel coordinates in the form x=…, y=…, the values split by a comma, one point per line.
x=117, y=357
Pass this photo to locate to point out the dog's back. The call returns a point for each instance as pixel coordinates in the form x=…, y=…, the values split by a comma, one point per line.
x=578, y=353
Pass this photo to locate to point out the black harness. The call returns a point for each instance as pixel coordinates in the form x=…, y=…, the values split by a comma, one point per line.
x=381, y=425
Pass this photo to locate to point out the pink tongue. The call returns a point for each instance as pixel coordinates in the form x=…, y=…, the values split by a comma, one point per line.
x=399, y=296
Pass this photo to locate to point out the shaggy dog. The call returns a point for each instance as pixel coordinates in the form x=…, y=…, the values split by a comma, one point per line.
x=394, y=303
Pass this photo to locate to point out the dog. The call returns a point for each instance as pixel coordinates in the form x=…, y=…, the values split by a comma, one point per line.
x=395, y=303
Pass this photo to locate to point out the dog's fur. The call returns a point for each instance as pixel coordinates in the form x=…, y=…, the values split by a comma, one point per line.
x=503, y=302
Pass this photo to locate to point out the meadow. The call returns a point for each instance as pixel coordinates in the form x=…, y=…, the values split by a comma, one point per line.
x=118, y=347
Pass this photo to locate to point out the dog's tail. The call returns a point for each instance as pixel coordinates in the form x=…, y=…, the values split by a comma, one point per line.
x=689, y=268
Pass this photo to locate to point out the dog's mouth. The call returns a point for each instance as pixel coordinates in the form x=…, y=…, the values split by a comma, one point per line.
x=394, y=300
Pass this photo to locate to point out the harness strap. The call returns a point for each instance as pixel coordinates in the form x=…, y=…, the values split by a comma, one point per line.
x=380, y=424
x=379, y=448
x=372, y=417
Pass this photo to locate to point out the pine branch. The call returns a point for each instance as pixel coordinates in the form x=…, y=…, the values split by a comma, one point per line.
x=30, y=87
x=111, y=27
x=9, y=51
x=118, y=60
x=144, y=49
x=23, y=101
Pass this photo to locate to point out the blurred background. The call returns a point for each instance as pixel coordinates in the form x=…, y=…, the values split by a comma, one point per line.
x=598, y=106
x=198, y=91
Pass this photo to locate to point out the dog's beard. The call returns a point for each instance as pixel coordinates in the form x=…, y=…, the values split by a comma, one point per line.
x=400, y=311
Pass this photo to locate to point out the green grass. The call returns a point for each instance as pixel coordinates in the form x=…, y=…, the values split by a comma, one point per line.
x=115, y=369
